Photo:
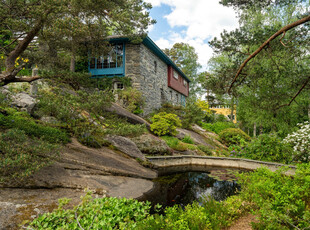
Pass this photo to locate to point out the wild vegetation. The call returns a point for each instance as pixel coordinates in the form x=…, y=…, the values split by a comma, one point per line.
x=279, y=202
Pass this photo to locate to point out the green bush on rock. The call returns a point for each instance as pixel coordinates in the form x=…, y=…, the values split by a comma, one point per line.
x=165, y=124
x=233, y=136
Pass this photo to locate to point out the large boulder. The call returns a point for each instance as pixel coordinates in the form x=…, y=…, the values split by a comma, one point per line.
x=126, y=146
x=196, y=137
x=152, y=145
x=23, y=101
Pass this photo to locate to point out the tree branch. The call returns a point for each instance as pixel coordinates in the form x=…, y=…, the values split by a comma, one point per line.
x=299, y=91
x=279, y=32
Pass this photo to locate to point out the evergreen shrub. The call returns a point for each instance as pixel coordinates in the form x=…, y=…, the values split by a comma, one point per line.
x=165, y=124
x=268, y=147
x=217, y=127
x=233, y=136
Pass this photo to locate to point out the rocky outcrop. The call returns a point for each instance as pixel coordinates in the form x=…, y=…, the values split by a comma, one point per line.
x=104, y=171
x=197, y=138
x=132, y=118
x=152, y=145
x=126, y=146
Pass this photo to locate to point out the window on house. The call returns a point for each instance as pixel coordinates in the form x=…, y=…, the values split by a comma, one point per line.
x=175, y=74
x=155, y=67
x=113, y=59
x=119, y=85
x=185, y=82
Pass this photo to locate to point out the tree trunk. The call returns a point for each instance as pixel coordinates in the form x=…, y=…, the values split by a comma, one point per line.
x=254, y=130
x=232, y=109
x=260, y=130
x=72, y=63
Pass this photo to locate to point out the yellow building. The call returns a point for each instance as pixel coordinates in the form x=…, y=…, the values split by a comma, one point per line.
x=224, y=110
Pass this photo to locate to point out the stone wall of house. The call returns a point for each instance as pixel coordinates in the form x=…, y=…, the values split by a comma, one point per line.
x=150, y=75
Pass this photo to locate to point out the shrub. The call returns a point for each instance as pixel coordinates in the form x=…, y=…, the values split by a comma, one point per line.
x=194, y=112
x=205, y=149
x=132, y=99
x=300, y=141
x=128, y=130
x=268, y=147
x=187, y=139
x=14, y=119
x=165, y=124
x=280, y=201
x=217, y=127
x=21, y=156
x=75, y=79
x=175, y=143
x=233, y=136
x=98, y=213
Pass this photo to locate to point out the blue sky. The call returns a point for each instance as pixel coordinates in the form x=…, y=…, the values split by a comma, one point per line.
x=191, y=21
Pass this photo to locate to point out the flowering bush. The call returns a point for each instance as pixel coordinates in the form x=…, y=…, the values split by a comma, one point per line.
x=300, y=141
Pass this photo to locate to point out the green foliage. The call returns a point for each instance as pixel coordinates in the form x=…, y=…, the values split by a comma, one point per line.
x=10, y=118
x=127, y=130
x=175, y=218
x=99, y=213
x=175, y=143
x=217, y=127
x=21, y=156
x=187, y=139
x=268, y=147
x=132, y=99
x=75, y=79
x=72, y=109
x=233, y=136
x=165, y=124
x=282, y=202
x=205, y=149
x=107, y=83
x=193, y=113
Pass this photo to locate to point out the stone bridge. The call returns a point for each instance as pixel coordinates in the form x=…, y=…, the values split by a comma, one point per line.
x=168, y=164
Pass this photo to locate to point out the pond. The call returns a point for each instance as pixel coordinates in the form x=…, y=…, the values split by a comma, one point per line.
x=186, y=187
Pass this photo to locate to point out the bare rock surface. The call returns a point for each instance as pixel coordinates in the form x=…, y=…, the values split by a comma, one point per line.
x=127, y=146
x=120, y=111
x=152, y=145
x=23, y=101
x=197, y=138
x=103, y=170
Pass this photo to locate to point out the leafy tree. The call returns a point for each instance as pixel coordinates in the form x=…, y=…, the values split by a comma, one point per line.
x=69, y=21
x=186, y=58
x=280, y=67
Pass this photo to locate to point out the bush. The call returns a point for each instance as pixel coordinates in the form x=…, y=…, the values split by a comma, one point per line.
x=300, y=141
x=187, y=139
x=165, y=124
x=233, y=136
x=280, y=201
x=21, y=156
x=75, y=79
x=128, y=130
x=13, y=119
x=132, y=99
x=98, y=213
x=268, y=147
x=194, y=112
x=217, y=127
x=175, y=143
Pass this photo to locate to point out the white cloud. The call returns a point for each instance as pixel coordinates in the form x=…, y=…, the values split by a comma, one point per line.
x=202, y=19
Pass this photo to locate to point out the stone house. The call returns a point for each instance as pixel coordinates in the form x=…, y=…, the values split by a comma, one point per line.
x=150, y=69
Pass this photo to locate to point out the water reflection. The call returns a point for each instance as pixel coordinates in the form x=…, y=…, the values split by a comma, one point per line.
x=184, y=188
